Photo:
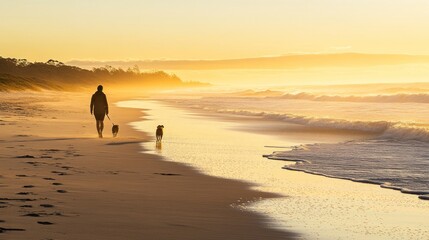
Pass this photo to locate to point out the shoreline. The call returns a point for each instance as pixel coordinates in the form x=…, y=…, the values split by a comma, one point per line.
x=274, y=126
x=107, y=188
x=316, y=206
x=422, y=195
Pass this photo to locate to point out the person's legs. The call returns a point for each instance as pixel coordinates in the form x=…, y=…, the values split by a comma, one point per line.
x=100, y=123
x=101, y=128
x=98, y=128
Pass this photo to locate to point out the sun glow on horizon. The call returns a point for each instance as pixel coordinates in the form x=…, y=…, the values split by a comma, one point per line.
x=103, y=30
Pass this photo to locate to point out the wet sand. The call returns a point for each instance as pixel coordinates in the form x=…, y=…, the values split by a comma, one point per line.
x=59, y=181
x=317, y=207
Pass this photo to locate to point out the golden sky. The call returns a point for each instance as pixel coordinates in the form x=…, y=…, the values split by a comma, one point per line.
x=207, y=29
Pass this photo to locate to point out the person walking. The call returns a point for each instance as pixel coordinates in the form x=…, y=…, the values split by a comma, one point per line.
x=100, y=108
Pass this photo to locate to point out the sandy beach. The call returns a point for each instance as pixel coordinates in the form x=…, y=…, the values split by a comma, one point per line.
x=237, y=120
x=59, y=181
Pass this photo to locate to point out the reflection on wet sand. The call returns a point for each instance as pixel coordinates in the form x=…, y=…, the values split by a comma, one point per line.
x=158, y=147
x=318, y=207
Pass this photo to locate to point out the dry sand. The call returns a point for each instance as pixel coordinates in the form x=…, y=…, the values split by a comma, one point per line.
x=59, y=181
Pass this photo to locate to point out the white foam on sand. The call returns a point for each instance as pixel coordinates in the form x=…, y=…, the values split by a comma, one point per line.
x=399, y=165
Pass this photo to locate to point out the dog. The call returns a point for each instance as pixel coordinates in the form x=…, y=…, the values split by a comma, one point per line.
x=115, y=130
x=159, y=132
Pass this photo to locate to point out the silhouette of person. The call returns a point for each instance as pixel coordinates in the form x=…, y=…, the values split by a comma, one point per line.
x=100, y=108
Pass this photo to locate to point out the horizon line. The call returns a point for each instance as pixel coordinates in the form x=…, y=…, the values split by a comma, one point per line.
x=285, y=61
x=245, y=58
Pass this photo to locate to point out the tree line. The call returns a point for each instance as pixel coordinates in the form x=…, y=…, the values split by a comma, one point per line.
x=20, y=74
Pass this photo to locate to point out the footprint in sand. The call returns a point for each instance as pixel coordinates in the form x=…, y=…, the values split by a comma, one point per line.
x=3, y=230
x=61, y=191
x=49, y=179
x=28, y=186
x=25, y=156
x=31, y=215
x=21, y=175
x=47, y=205
x=168, y=174
x=57, y=184
x=59, y=173
x=18, y=199
x=50, y=150
x=25, y=193
x=32, y=163
x=26, y=206
x=44, y=223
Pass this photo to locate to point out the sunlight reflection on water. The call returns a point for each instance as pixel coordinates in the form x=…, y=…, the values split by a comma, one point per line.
x=317, y=207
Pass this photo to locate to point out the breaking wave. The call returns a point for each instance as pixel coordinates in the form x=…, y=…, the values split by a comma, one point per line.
x=395, y=98
x=381, y=98
x=385, y=129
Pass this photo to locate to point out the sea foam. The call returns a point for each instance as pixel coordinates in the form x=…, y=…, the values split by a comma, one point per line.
x=398, y=165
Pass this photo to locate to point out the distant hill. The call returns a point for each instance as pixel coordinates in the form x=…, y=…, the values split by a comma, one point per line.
x=292, y=61
x=20, y=74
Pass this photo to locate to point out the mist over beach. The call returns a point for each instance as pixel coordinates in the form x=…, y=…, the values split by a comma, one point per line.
x=214, y=120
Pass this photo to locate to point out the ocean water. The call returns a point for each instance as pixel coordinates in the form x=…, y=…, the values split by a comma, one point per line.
x=394, y=155
x=317, y=207
x=399, y=165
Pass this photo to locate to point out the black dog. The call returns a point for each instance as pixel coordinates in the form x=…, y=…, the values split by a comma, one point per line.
x=159, y=132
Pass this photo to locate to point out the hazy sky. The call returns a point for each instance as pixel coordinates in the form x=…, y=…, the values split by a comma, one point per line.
x=209, y=29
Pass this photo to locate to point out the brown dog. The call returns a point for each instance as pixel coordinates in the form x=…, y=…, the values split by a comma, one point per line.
x=159, y=133
x=115, y=130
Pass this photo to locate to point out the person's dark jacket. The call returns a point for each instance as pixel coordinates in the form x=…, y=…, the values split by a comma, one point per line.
x=99, y=103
